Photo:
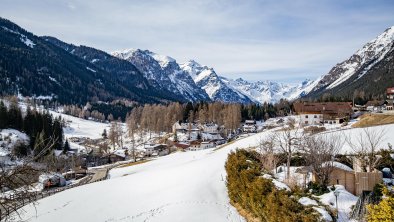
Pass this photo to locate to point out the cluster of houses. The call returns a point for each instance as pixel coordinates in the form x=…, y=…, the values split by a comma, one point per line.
x=379, y=105
x=314, y=113
x=193, y=136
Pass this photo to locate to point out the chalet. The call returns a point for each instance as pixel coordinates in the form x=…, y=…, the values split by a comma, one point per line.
x=195, y=145
x=110, y=158
x=207, y=144
x=390, y=98
x=321, y=113
x=375, y=105
x=182, y=146
x=249, y=126
x=184, y=127
x=156, y=149
x=210, y=128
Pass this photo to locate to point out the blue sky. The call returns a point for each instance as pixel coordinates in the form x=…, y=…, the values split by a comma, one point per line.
x=285, y=41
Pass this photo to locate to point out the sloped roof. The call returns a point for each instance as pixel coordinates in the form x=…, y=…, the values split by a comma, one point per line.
x=328, y=107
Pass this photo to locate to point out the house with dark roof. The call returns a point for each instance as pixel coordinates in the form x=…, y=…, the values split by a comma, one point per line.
x=323, y=113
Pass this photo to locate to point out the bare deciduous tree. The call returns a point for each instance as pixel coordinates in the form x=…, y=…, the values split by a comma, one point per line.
x=319, y=152
x=268, y=158
x=365, y=145
x=287, y=140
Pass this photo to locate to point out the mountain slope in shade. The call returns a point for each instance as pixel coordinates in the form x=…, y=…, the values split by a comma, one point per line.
x=32, y=66
x=164, y=72
x=359, y=68
x=119, y=69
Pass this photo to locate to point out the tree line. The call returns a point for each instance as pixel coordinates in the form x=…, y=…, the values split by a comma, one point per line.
x=43, y=129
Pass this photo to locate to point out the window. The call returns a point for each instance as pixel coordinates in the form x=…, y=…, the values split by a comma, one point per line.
x=306, y=122
x=315, y=116
x=306, y=116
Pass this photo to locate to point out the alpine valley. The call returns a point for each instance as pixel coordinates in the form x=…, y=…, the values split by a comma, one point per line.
x=46, y=67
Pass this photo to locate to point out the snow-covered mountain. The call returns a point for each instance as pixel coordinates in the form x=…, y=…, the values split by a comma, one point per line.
x=214, y=86
x=195, y=82
x=239, y=90
x=361, y=63
x=164, y=72
x=268, y=91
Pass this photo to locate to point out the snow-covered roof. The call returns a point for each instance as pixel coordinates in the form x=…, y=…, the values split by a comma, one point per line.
x=338, y=165
x=120, y=152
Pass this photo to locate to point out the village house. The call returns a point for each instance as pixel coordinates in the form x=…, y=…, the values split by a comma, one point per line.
x=156, y=149
x=184, y=127
x=207, y=144
x=375, y=105
x=249, y=126
x=195, y=145
x=210, y=128
x=182, y=146
x=390, y=98
x=323, y=113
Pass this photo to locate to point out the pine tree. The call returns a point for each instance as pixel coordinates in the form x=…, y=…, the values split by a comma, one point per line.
x=66, y=147
x=3, y=115
x=104, y=134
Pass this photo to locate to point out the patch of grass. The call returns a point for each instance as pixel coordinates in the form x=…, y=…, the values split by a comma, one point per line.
x=367, y=120
x=133, y=163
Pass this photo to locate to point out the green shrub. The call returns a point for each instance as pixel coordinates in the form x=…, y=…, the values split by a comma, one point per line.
x=257, y=195
x=317, y=189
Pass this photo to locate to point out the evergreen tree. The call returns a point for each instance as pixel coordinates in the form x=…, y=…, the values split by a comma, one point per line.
x=104, y=134
x=3, y=115
x=66, y=147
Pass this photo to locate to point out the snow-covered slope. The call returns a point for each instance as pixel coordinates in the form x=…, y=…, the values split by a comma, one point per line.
x=164, y=72
x=9, y=138
x=268, y=91
x=185, y=186
x=359, y=63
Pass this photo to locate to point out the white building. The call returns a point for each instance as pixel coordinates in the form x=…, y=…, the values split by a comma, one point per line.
x=207, y=144
x=155, y=149
x=211, y=128
x=311, y=119
x=249, y=126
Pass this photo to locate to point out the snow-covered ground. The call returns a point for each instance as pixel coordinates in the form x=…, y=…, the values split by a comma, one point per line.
x=77, y=127
x=184, y=186
x=345, y=202
x=8, y=139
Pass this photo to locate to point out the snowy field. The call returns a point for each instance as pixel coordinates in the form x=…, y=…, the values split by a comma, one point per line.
x=77, y=127
x=185, y=186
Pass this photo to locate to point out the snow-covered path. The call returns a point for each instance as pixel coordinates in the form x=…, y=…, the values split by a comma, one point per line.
x=188, y=186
